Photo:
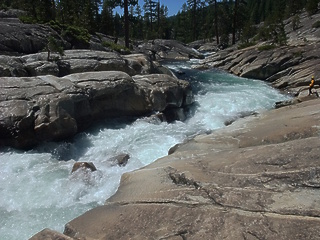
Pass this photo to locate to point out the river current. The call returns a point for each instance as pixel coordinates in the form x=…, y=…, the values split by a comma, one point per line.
x=37, y=189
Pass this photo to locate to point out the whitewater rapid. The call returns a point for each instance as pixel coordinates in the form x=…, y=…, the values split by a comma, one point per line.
x=38, y=190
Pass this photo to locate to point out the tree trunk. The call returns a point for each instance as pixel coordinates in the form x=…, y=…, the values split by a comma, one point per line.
x=235, y=22
x=126, y=23
x=194, y=19
x=216, y=21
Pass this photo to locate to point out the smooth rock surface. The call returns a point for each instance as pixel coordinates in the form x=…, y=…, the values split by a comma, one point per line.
x=161, y=49
x=255, y=179
x=77, y=61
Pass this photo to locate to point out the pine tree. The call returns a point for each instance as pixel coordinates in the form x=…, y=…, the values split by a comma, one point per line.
x=215, y=23
x=312, y=6
x=138, y=26
x=163, y=26
x=125, y=5
x=193, y=6
x=181, y=25
x=235, y=19
x=107, y=21
x=150, y=16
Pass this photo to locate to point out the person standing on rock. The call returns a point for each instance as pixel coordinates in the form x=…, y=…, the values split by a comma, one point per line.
x=311, y=85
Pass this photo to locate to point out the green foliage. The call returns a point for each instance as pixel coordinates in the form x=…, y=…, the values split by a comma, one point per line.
x=56, y=26
x=266, y=47
x=197, y=19
x=224, y=40
x=107, y=21
x=27, y=19
x=248, y=32
x=279, y=34
x=3, y=6
x=77, y=36
x=116, y=47
x=295, y=22
x=312, y=6
x=274, y=32
x=316, y=24
x=297, y=54
x=54, y=45
x=78, y=33
x=246, y=44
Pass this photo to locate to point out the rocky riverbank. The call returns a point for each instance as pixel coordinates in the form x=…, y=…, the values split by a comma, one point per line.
x=257, y=178
x=48, y=108
x=288, y=68
x=52, y=97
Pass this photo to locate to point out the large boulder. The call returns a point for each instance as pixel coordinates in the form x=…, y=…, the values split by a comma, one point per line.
x=46, y=108
x=17, y=38
x=160, y=49
x=164, y=93
x=255, y=179
x=83, y=166
x=77, y=61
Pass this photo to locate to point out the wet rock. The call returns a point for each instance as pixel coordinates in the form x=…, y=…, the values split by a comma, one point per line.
x=121, y=159
x=240, y=115
x=172, y=114
x=49, y=108
x=48, y=234
x=83, y=165
x=163, y=91
x=295, y=101
x=157, y=117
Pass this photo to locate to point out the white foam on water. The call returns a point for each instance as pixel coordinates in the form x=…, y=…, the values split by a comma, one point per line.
x=38, y=190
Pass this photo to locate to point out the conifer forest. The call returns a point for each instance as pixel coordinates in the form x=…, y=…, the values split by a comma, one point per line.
x=224, y=21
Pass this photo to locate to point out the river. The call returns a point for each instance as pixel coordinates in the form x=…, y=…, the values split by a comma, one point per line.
x=38, y=190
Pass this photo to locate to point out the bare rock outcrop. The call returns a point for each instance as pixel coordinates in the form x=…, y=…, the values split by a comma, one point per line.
x=160, y=49
x=289, y=67
x=46, y=108
x=255, y=179
x=77, y=61
x=16, y=37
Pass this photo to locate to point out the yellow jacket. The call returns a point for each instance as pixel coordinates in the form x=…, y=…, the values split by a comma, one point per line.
x=312, y=83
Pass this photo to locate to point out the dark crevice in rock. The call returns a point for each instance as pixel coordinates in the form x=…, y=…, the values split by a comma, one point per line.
x=212, y=198
x=252, y=234
x=177, y=203
x=222, y=207
x=180, y=233
x=181, y=179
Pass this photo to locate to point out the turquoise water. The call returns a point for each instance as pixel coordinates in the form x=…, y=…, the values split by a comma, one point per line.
x=38, y=190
